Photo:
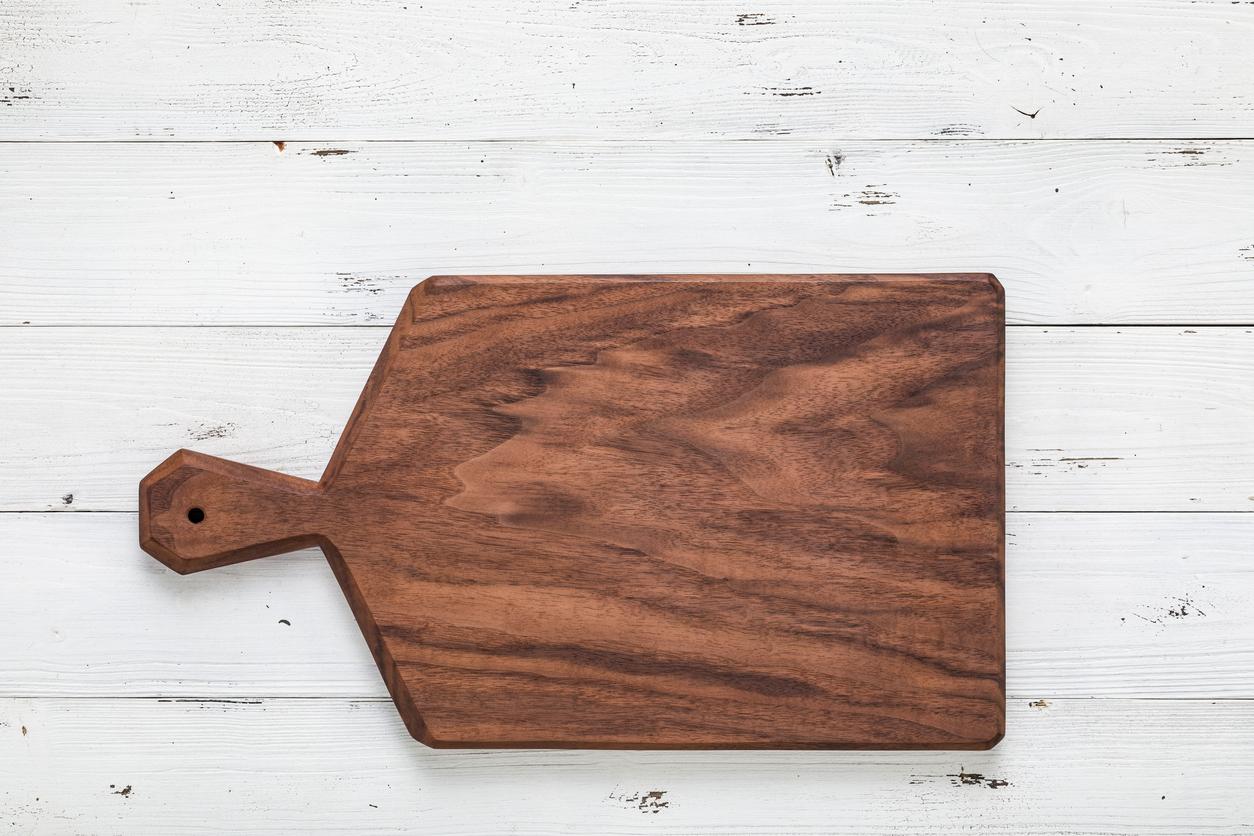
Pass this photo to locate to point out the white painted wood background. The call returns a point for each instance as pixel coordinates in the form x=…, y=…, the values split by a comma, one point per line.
x=210, y=212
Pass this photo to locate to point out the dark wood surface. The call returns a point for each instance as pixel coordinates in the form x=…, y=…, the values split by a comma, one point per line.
x=658, y=511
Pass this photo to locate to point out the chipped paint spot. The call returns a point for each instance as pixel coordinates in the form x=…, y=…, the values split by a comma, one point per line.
x=960, y=129
x=1044, y=465
x=12, y=93
x=650, y=801
x=204, y=432
x=1039, y=704
x=279, y=144
x=331, y=152
x=1189, y=156
x=754, y=19
x=202, y=702
x=872, y=195
x=359, y=284
x=790, y=91
x=771, y=129
x=67, y=499
x=976, y=779
x=1174, y=607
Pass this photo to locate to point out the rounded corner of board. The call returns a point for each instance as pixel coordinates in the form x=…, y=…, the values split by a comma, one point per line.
x=439, y=284
x=992, y=741
x=999, y=290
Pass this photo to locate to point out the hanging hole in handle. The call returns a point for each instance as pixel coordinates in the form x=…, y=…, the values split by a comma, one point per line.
x=195, y=515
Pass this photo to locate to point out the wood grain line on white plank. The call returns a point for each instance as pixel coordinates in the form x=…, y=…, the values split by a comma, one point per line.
x=243, y=234
x=234, y=69
x=135, y=767
x=1098, y=605
x=1098, y=419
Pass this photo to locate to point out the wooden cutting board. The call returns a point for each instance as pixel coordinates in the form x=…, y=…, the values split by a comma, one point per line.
x=658, y=511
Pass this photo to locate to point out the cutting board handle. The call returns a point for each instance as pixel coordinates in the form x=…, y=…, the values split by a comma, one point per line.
x=199, y=512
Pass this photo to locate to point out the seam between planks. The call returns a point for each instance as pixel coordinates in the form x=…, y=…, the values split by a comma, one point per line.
x=380, y=327
x=1042, y=326
x=69, y=511
x=258, y=699
x=627, y=140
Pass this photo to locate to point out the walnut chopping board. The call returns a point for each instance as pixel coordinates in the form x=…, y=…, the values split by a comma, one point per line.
x=658, y=511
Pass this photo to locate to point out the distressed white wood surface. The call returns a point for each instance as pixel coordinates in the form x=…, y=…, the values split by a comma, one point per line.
x=1098, y=419
x=241, y=233
x=1105, y=605
x=333, y=766
x=470, y=69
x=603, y=136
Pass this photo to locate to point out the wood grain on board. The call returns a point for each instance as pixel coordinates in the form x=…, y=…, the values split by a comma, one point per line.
x=682, y=511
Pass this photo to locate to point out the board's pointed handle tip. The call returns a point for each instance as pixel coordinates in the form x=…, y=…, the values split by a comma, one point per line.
x=199, y=512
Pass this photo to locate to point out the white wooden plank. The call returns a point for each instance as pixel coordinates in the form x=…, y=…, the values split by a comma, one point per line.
x=1098, y=419
x=1134, y=605
x=89, y=614
x=235, y=69
x=217, y=234
x=86, y=412
x=1141, y=419
x=327, y=766
x=1108, y=605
